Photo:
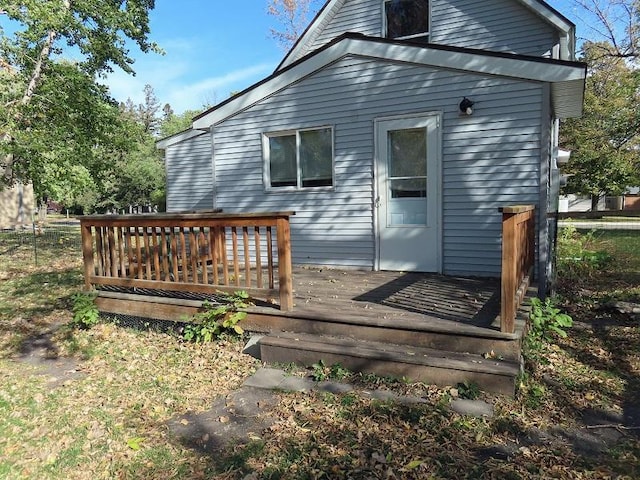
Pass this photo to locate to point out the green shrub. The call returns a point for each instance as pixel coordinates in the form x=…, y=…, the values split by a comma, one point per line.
x=85, y=310
x=216, y=321
x=547, y=320
x=322, y=372
x=575, y=261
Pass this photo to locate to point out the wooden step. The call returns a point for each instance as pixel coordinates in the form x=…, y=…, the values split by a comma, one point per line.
x=440, y=335
x=432, y=333
x=385, y=359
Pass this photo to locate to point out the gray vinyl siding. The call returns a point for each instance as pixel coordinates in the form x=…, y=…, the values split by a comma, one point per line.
x=489, y=160
x=190, y=175
x=497, y=25
x=358, y=16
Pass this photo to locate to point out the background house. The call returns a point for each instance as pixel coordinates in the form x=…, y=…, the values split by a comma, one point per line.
x=396, y=131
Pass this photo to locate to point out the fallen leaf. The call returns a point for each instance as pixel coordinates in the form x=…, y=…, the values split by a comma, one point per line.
x=413, y=464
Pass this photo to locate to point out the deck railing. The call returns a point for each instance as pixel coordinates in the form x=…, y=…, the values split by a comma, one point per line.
x=518, y=254
x=198, y=252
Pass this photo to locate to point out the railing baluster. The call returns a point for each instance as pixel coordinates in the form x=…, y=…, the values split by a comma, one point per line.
x=183, y=253
x=113, y=253
x=247, y=257
x=147, y=253
x=165, y=255
x=213, y=249
x=130, y=255
x=193, y=255
x=258, y=258
x=99, y=251
x=270, y=258
x=155, y=249
x=174, y=255
x=225, y=259
x=120, y=238
x=204, y=256
x=236, y=261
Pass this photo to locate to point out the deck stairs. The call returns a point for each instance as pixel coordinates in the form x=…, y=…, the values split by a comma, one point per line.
x=444, y=353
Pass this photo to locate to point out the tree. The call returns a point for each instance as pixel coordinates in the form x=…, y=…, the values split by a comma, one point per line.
x=293, y=17
x=614, y=26
x=606, y=140
x=40, y=89
x=148, y=111
x=68, y=134
x=173, y=123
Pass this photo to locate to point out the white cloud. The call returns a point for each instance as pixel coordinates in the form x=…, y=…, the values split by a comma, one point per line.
x=178, y=78
x=209, y=90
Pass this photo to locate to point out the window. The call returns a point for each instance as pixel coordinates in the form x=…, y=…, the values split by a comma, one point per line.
x=407, y=19
x=299, y=159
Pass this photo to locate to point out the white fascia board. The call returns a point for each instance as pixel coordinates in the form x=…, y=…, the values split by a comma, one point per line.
x=312, y=32
x=179, y=137
x=532, y=70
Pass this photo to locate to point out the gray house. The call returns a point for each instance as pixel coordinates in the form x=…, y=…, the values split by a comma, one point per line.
x=395, y=129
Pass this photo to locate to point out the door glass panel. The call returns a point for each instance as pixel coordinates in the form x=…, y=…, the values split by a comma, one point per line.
x=407, y=177
x=408, y=153
x=409, y=188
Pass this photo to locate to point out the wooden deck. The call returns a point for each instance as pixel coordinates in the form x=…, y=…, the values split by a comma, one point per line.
x=424, y=327
x=420, y=326
x=395, y=297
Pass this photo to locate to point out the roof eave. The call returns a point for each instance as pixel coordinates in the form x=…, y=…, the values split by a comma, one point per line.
x=476, y=61
x=188, y=134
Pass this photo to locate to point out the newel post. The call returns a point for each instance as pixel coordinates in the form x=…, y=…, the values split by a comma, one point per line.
x=509, y=271
x=285, y=275
x=87, y=254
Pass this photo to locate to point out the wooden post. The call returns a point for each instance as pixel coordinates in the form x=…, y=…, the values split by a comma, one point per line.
x=87, y=255
x=509, y=272
x=285, y=275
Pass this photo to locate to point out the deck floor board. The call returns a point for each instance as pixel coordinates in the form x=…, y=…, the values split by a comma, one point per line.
x=413, y=297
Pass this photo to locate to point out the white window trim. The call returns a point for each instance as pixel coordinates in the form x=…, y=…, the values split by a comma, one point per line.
x=408, y=37
x=266, y=165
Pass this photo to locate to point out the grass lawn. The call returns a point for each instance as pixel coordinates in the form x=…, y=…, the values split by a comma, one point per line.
x=109, y=420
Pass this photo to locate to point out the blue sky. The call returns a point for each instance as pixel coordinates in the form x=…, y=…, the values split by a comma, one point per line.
x=212, y=48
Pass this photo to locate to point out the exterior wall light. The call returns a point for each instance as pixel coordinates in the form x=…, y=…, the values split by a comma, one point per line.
x=466, y=106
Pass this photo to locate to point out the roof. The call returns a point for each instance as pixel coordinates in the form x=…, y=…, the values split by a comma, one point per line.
x=331, y=7
x=566, y=78
x=179, y=137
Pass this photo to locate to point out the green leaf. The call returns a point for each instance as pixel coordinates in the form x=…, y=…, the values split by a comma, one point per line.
x=135, y=443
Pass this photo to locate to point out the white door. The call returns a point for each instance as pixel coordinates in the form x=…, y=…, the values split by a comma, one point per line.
x=408, y=192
